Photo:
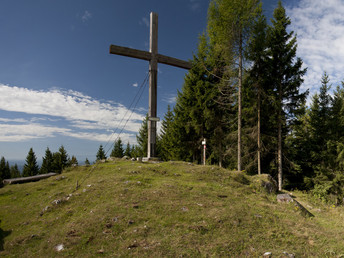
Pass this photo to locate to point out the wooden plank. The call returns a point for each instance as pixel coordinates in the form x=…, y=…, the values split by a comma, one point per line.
x=130, y=52
x=174, y=62
x=20, y=180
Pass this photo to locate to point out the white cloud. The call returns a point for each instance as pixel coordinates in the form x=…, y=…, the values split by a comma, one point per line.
x=170, y=98
x=319, y=26
x=145, y=21
x=86, y=16
x=28, y=131
x=195, y=5
x=84, y=116
x=135, y=84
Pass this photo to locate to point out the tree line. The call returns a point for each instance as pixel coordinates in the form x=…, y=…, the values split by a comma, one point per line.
x=52, y=162
x=243, y=95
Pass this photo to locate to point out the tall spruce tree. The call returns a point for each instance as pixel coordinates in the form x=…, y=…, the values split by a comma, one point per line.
x=196, y=113
x=229, y=25
x=117, y=150
x=4, y=170
x=257, y=79
x=47, y=164
x=127, y=151
x=142, y=138
x=30, y=168
x=101, y=153
x=166, y=135
x=15, y=171
x=286, y=77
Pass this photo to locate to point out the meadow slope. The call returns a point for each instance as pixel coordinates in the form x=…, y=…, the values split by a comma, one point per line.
x=171, y=209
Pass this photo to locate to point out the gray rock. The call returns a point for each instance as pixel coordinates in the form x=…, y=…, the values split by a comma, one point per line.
x=284, y=198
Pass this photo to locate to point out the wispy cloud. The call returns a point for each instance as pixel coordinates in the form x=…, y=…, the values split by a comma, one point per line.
x=194, y=5
x=80, y=115
x=320, y=35
x=145, y=21
x=135, y=84
x=170, y=98
x=86, y=16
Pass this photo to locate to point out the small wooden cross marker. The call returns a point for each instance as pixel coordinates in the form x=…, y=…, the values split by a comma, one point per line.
x=154, y=58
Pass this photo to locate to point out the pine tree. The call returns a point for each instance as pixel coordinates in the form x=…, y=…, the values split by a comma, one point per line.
x=47, y=164
x=87, y=162
x=166, y=135
x=64, y=159
x=73, y=162
x=286, y=77
x=142, y=138
x=4, y=170
x=15, y=173
x=30, y=168
x=257, y=75
x=229, y=24
x=101, y=153
x=117, y=150
x=127, y=151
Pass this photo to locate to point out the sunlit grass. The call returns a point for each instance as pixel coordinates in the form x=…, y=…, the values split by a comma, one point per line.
x=166, y=209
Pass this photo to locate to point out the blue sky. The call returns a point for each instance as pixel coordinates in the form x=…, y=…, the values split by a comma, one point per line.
x=60, y=86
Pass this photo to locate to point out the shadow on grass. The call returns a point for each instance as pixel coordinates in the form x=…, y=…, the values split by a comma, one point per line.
x=3, y=234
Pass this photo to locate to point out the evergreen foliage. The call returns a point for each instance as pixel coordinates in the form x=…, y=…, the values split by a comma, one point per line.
x=117, y=150
x=47, y=164
x=142, y=138
x=14, y=170
x=30, y=168
x=127, y=151
x=101, y=153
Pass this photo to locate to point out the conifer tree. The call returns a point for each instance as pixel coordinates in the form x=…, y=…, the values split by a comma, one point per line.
x=166, y=135
x=64, y=159
x=127, y=151
x=47, y=164
x=117, y=150
x=4, y=169
x=30, y=168
x=101, y=153
x=15, y=173
x=229, y=25
x=286, y=77
x=256, y=53
x=73, y=161
x=87, y=162
x=142, y=138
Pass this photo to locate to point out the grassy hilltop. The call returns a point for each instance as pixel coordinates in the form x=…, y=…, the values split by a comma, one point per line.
x=169, y=209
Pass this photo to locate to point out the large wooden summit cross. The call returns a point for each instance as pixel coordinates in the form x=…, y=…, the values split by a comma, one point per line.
x=154, y=58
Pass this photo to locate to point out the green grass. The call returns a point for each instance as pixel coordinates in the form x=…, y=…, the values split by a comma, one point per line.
x=168, y=209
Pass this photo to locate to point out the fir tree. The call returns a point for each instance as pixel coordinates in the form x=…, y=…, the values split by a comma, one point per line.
x=64, y=159
x=142, y=138
x=229, y=24
x=15, y=173
x=4, y=170
x=101, y=153
x=256, y=53
x=47, y=164
x=73, y=161
x=127, y=151
x=117, y=150
x=166, y=136
x=30, y=168
x=286, y=77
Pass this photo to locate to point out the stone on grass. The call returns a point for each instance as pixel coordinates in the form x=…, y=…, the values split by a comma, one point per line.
x=284, y=198
x=59, y=248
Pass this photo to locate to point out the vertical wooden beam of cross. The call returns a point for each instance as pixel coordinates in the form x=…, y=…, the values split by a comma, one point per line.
x=154, y=58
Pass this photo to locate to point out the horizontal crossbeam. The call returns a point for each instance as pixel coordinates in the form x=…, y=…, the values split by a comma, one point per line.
x=145, y=55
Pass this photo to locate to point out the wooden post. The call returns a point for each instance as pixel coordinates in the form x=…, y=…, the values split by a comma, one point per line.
x=154, y=58
x=153, y=81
